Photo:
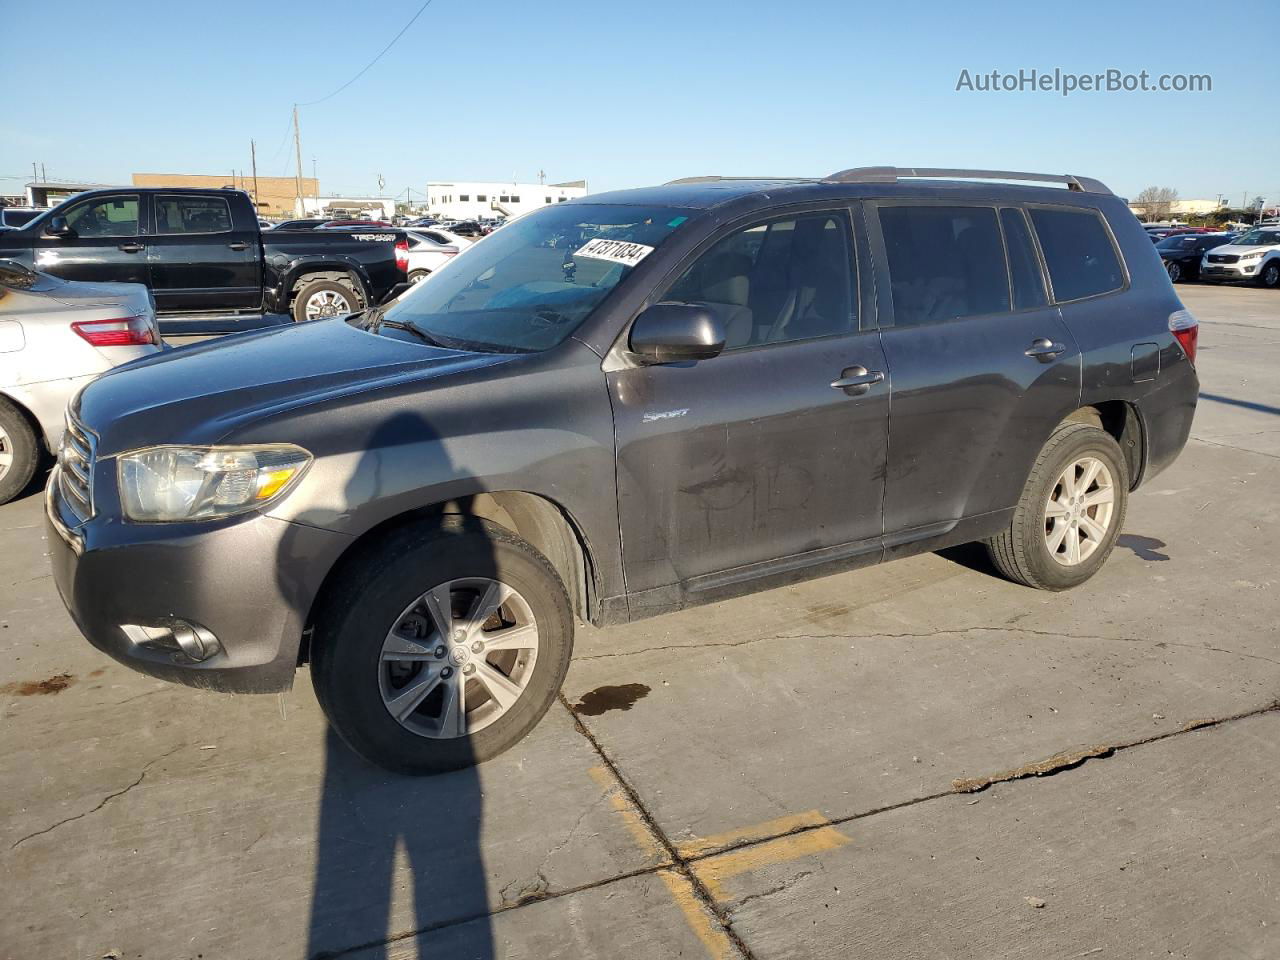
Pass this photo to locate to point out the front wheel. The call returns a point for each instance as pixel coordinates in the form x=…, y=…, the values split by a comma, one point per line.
x=1175, y=270
x=442, y=648
x=19, y=452
x=1270, y=275
x=1070, y=513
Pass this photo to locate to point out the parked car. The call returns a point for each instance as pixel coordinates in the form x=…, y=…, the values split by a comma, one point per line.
x=467, y=228
x=444, y=237
x=55, y=337
x=694, y=403
x=427, y=255
x=13, y=217
x=1254, y=256
x=202, y=252
x=299, y=224
x=1182, y=252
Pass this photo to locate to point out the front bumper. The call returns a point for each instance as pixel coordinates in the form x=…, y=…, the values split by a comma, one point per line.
x=249, y=581
x=1230, y=271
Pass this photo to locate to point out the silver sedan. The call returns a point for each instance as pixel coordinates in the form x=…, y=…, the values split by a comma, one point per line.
x=56, y=336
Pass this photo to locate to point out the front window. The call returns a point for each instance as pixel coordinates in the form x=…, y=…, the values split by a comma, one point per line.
x=105, y=217
x=1258, y=238
x=531, y=284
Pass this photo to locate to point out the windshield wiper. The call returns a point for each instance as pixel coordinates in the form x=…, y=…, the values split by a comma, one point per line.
x=408, y=328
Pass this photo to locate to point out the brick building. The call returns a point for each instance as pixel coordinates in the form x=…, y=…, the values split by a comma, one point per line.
x=276, y=197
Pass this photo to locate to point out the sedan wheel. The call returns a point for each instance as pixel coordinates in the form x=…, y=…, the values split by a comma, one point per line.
x=458, y=658
x=6, y=452
x=1078, y=513
x=1175, y=271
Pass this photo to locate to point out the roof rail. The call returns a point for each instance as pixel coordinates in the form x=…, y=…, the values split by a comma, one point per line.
x=894, y=174
x=717, y=179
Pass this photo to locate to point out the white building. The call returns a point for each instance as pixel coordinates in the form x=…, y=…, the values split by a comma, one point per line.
x=366, y=208
x=471, y=199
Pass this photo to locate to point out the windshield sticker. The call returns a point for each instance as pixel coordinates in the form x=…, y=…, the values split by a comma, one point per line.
x=615, y=251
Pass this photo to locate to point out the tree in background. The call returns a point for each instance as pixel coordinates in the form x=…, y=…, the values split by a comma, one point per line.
x=1156, y=202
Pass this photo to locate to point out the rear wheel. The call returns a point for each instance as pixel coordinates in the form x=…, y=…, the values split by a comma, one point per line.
x=19, y=452
x=442, y=649
x=1070, y=513
x=322, y=299
x=1270, y=275
x=417, y=276
x=1175, y=270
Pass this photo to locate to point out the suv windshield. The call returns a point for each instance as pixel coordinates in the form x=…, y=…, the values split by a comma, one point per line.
x=1258, y=238
x=531, y=284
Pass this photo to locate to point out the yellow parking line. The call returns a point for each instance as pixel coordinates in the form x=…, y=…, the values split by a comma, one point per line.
x=760, y=831
x=715, y=870
x=638, y=829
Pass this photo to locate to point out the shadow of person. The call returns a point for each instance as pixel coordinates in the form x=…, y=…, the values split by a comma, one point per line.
x=399, y=854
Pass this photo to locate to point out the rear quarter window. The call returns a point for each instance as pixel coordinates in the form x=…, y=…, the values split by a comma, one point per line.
x=1078, y=251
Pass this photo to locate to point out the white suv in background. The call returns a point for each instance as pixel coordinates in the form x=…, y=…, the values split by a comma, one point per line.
x=1253, y=256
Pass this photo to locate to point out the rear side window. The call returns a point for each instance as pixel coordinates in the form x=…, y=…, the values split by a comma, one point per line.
x=192, y=215
x=1024, y=269
x=1078, y=251
x=944, y=263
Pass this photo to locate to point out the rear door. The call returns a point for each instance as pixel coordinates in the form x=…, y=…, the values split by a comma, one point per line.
x=756, y=461
x=983, y=365
x=107, y=242
x=199, y=258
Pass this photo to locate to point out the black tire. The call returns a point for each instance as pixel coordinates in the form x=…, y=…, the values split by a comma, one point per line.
x=19, y=440
x=1020, y=552
x=1175, y=271
x=1269, y=276
x=417, y=276
x=339, y=290
x=365, y=605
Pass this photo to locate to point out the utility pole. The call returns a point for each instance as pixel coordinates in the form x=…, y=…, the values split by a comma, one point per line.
x=35, y=176
x=43, y=176
x=297, y=173
x=253, y=163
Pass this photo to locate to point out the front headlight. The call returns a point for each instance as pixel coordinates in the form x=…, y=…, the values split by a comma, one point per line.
x=197, y=483
x=1253, y=256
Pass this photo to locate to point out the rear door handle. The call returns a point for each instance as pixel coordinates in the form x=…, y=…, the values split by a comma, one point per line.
x=857, y=380
x=237, y=245
x=131, y=247
x=1045, y=350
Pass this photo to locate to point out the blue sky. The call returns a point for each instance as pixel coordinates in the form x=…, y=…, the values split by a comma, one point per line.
x=626, y=94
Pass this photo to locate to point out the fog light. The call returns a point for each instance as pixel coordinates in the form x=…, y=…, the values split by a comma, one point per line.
x=187, y=641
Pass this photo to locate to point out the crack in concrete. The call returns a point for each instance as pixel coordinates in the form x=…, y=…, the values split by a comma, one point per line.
x=102, y=803
x=540, y=887
x=685, y=864
x=958, y=631
x=1231, y=446
x=784, y=885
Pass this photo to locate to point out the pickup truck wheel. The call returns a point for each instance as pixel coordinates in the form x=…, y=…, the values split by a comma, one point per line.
x=419, y=275
x=322, y=299
x=443, y=648
x=1270, y=275
x=19, y=452
x=1070, y=513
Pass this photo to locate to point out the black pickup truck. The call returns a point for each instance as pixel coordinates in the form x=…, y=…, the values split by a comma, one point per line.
x=203, y=255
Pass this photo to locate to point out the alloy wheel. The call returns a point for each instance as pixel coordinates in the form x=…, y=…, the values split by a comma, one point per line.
x=1079, y=510
x=458, y=658
x=1175, y=272
x=6, y=452
x=326, y=303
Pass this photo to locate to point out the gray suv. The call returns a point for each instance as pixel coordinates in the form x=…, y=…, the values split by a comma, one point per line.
x=616, y=407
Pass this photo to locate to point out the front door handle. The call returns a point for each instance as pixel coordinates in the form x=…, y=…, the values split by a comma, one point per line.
x=131, y=247
x=857, y=380
x=237, y=245
x=1045, y=350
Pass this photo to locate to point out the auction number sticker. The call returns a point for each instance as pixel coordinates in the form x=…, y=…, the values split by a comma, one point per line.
x=615, y=251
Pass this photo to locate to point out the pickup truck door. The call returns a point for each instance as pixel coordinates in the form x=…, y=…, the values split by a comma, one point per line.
x=107, y=242
x=199, y=258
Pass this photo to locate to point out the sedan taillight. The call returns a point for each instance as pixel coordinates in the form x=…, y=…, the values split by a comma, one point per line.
x=402, y=255
x=124, y=332
x=1186, y=330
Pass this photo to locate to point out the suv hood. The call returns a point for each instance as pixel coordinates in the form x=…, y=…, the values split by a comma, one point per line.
x=202, y=393
x=1241, y=250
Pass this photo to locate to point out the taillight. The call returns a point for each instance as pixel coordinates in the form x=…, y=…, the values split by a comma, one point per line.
x=402, y=255
x=124, y=332
x=1186, y=330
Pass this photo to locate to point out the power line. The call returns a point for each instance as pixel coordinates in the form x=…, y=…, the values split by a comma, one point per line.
x=312, y=103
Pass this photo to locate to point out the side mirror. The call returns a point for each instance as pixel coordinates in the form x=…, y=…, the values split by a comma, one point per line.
x=58, y=227
x=672, y=332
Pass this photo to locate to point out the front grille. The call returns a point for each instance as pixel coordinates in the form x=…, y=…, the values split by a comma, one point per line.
x=1223, y=258
x=75, y=479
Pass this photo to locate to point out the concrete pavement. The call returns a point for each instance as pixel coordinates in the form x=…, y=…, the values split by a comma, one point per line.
x=782, y=775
